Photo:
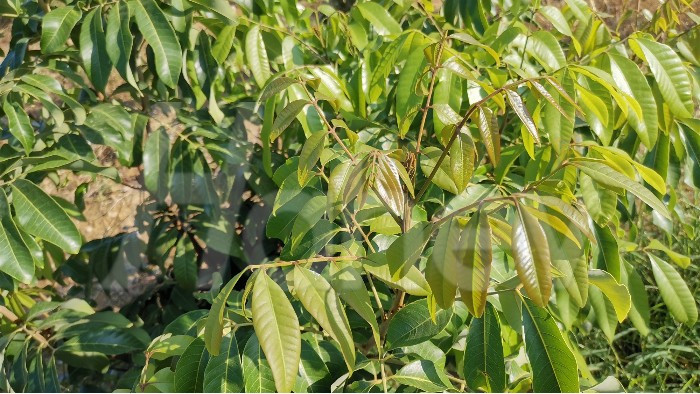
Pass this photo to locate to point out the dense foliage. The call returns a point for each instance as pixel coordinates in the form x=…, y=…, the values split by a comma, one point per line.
x=394, y=197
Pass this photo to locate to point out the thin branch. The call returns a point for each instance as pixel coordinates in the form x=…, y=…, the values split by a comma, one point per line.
x=331, y=129
x=302, y=261
x=433, y=70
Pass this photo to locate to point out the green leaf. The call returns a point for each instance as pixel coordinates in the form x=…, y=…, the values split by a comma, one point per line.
x=93, y=49
x=387, y=182
x=56, y=27
x=286, y=117
x=351, y=288
x=423, y=375
x=546, y=49
x=40, y=215
x=224, y=373
x=605, y=175
x=617, y=293
x=322, y=302
x=380, y=18
x=407, y=101
x=461, y=159
x=20, y=125
x=475, y=268
x=604, y=313
x=574, y=278
x=274, y=87
x=214, y=326
x=156, y=161
x=107, y=340
x=121, y=40
x=277, y=328
x=185, y=264
x=310, y=154
x=553, y=365
x=412, y=324
x=257, y=56
x=670, y=74
x=631, y=81
x=407, y=249
x=607, y=253
x=490, y=136
x=257, y=374
x=639, y=314
x=600, y=202
x=557, y=19
x=558, y=117
x=337, y=182
x=484, y=367
x=516, y=102
x=412, y=283
x=15, y=257
x=531, y=256
x=159, y=34
x=681, y=260
x=674, y=291
x=189, y=371
x=219, y=7
x=441, y=270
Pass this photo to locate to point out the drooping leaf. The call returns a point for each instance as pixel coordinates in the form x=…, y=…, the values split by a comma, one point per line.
x=121, y=40
x=553, y=365
x=516, y=102
x=93, y=49
x=40, y=215
x=213, y=329
x=348, y=282
x=674, y=291
x=462, y=155
x=407, y=249
x=256, y=54
x=277, y=327
x=185, y=264
x=531, y=256
x=490, y=136
x=156, y=161
x=484, y=367
x=380, y=19
x=408, y=102
x=322, y=302
x=310, y=154
x=442, y=268
x=286, y=117
x=475, y=268
x=159, y=34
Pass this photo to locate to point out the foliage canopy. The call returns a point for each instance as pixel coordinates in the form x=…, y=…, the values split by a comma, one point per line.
x=404, y=198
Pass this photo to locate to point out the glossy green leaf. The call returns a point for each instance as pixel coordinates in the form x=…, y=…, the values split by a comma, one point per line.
x=640, y=314
x=617, y=293
x=310, y=154
x=257, y=374
x=322, y=302
x=669, y=73
x=423, y=375
x=674, y=291
x=121, y=40
x=106, y=340
x=516, y=102
x=256, y=54
x=156, y=161
x=159, y=34
x=20, y=125
x=380, y=19
x=15, y=257
x=442, y=268
x=189, y=371
x=412, y=283
x=277, y=328
x=219, y=7
x=546, y=49
x=213, y=329
x=349, y=284
x=56, y=27
x=93, y=49
x=531, y=256
x=475, y=269
x=553, y=365
x=413, y=324
x=462, y=156
x=40, y=215
x=185, y=264
x=681, y=260
x=490, y=136
x=408, y=102
x=605, y=175
x=607, y=253
x=631, y=81
x=403, y=253
x=224, y=373
x=484, y=367
x=286, y=117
